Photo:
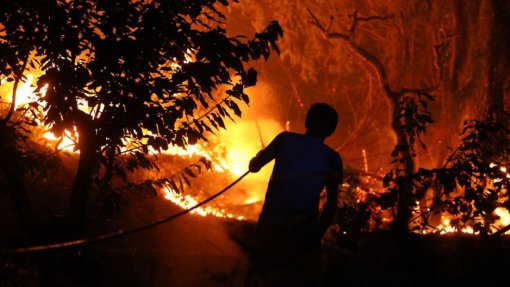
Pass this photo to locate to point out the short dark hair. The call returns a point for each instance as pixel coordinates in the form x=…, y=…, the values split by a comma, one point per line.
x=321, y=119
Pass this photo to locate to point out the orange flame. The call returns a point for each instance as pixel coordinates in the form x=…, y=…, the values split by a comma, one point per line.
x=229, y=155
x=187, y=202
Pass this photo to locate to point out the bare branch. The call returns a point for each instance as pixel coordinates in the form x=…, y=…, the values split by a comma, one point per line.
x=441, y=50
x=212, y=109
x=316, y=21
x=357, y=19
x=365, y=55
x=330, y=22
x=370, y=18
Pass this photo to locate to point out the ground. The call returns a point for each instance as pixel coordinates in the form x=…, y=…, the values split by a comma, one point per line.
x=208, y=251
x=189, y=251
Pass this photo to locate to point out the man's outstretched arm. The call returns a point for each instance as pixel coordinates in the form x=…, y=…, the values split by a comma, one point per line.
x=264, y=156
x=259, y=161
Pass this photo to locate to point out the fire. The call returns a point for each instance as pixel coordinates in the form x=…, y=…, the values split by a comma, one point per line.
x=187, y=202
x=66, y=142
x=446, y=227
x=503, y=215
x=24, y=94
x=229, y=154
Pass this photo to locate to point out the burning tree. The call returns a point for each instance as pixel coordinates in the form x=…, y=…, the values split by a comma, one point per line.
x=123, y=78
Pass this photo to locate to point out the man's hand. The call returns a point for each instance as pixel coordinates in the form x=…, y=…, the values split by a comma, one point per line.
x=254, y=165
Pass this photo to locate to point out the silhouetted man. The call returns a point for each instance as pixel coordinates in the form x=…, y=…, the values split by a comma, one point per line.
x=286, y=250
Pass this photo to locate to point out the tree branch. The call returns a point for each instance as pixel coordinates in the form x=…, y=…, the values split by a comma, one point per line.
x=365, y=55
x=211, y=109
x=17, y=79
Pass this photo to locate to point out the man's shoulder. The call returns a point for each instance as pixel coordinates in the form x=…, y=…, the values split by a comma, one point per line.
x=288, y=136
x=331, y=150
x=334, y=155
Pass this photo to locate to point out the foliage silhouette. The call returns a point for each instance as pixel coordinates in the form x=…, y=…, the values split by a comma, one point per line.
x=474, y=182
x=159, y=73
x=469, y=188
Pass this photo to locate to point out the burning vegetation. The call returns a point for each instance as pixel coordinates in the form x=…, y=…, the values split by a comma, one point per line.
x=366, y=202
x=114, y=114
x=102, y=98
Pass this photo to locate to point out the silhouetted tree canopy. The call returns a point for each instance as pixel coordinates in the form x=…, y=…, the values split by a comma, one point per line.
x=128, y=76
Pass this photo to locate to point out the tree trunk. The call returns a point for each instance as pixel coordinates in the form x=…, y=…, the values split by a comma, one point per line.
x=401, y=221
x=77, y=209
x=499, y=56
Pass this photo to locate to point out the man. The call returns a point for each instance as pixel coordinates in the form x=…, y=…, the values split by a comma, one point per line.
x=286, y=249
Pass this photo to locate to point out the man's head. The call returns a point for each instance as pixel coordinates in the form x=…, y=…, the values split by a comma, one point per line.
x=321, y=120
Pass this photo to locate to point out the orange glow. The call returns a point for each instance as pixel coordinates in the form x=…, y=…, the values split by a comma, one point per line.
x=65, y=143
x=24, y=94
x=187, y=202
x=445, y=227
x=229, y=153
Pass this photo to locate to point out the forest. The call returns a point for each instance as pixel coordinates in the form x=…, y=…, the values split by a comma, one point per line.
x=126, y=128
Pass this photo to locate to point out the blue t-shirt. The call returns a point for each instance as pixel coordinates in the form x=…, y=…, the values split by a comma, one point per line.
x=303, y=164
